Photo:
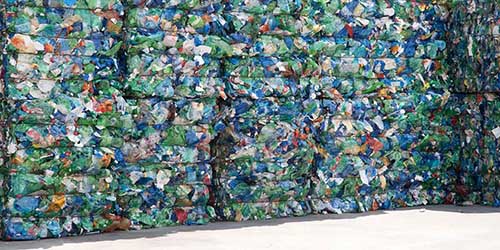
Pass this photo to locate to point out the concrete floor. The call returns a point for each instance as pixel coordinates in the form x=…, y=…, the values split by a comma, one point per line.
x=423, y=228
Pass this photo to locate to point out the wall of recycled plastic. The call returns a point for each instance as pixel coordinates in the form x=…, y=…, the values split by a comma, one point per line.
x=474, y=47
x=136, y=114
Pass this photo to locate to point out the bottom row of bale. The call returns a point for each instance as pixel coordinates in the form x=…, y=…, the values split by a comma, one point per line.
x=259, y=166
x=478, y=179
x=134, y=198
x=263, y=160
x=41, y=206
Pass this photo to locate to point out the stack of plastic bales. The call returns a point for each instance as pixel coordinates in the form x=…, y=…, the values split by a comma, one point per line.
x=173, y=82
x=467, y=41
x=491, y=142
x=143, y=114
x=265, y=151
x=469, y=181
x=385, y=134
x=474, y=52
x=64, y=117
x=2, y=108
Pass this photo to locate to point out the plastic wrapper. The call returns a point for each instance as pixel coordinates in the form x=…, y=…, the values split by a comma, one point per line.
x=60, y=135
x=248, y=189
x=289, y=109
x=476, y=17
x=163, y=175
x=143, y=153
x=472, y=9
x=33, y=199
x=264, y=154
x=365, y=158
x=431, y=141
x=336, y=88
x=3, y=92
x=178, y=196
x=244, y=198
x=240, y=25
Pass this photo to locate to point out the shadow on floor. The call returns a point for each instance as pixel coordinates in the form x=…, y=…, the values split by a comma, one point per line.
x=221, y=225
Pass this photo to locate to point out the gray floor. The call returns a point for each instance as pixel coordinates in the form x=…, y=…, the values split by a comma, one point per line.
x=432, y=227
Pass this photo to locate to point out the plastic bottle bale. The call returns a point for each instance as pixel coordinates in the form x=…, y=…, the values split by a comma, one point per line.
x=66, y=116
x=165, y=194
x=264, y=158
